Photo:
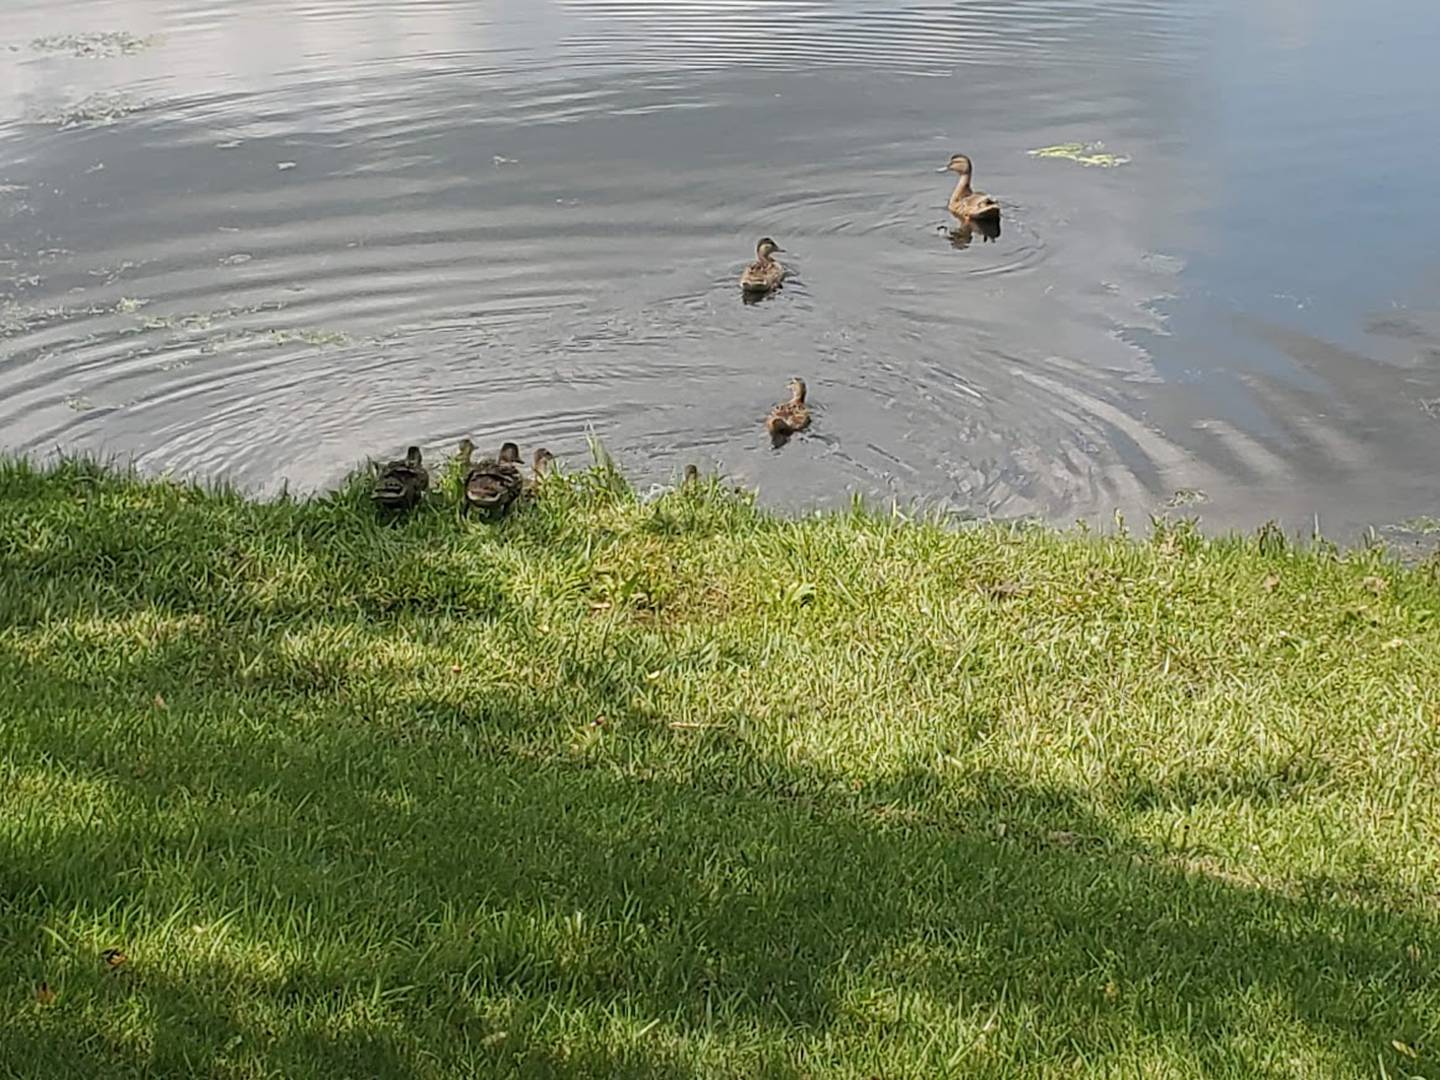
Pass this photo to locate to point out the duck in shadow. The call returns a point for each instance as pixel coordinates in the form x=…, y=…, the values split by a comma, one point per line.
x=491, y=485
x=400, y=485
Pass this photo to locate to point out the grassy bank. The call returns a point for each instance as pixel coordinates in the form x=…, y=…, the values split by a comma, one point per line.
x=679, y=789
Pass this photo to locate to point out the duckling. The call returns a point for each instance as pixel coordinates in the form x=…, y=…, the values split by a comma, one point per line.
x=539, y=467
x=490, y=486
x=764, y=274
x=399, y=485
x=790, y=416
x=965, y=204
x=692, y=476
x=463, y=464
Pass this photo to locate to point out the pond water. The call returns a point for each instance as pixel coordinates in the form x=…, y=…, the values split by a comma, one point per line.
x=263, y=240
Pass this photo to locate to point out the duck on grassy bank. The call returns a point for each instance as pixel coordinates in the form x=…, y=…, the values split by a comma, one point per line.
x=399, y=485
x=490, y=486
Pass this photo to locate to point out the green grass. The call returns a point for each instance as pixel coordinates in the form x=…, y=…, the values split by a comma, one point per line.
x=681, y=789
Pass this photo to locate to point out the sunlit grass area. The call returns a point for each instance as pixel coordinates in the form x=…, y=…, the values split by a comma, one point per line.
x=679, y=788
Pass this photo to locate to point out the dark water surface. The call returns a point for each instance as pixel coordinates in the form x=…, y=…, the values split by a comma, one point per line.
x=263, y=240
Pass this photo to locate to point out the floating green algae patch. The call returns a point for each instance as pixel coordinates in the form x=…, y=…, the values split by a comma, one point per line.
x=18, y=319
x=98, y=45
x=1186, y=497
x=675, y=788
x=1089, y=154
x=317, y=336
x=1421, y=526
x=94, y=111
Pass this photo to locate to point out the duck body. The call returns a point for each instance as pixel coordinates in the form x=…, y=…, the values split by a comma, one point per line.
x=400, y=485
x=764, y=274
x=790, y=416
x=966, y=203
x=490, y=486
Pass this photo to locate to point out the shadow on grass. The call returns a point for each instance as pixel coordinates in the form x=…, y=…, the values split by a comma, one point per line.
x=397, y=900
x=324, y=868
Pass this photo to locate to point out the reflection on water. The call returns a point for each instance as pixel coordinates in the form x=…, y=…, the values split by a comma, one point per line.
x=263, y=240
x=964, y=233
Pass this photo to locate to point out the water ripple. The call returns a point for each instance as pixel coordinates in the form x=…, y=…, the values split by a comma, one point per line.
x=335, y=228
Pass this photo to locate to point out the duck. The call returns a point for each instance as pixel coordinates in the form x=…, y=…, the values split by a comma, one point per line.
x=789, y=416
x=490, y=486
x=692, y=476
x=965, y=204
x=399, y=485
x=764, y=274
x=539, y=468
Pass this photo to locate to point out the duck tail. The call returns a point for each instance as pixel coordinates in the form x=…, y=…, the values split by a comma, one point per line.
x=779, y=425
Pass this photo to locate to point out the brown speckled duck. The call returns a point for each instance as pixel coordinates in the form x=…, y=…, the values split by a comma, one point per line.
x=399, y=485
x=789, y=416
x=965, y=204
x=764, y=274
x=490, y=486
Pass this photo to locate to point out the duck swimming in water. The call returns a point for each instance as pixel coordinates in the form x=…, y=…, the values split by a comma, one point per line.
x=965, y=204
x=790, y=416
x=764, y=274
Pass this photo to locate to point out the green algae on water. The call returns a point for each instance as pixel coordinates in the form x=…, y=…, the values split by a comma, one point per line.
x=1087, y=154
x=1186, y=497
x=95, y=45
x=97, y=110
